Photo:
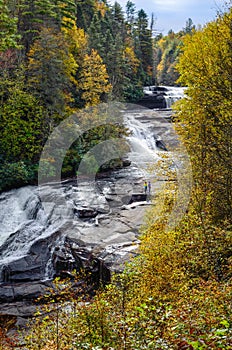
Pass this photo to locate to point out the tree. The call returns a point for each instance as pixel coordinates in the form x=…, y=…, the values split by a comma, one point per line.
x=205, y=118
x=189, y=27
x=51, y=71
x=110, y=36
x=107, y=36
x=33, y=16
x=93, y=79
x=167, y=51
x=85, y=12
x=65, y=12
x=8, y=28
x=144, y=47
x=130, y=13
x=77, y=44
x=23, y=129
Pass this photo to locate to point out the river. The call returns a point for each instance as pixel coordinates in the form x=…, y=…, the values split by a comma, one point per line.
x=52, y=229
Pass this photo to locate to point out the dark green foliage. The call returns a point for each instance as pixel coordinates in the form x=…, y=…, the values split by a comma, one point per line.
x=16, y=174
x=112, y=35
x=143, y=46
x=85, y=13
x=23, y=131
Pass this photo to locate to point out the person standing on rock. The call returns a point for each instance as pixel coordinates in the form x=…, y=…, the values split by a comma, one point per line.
x=145, y=186
x=149, y=187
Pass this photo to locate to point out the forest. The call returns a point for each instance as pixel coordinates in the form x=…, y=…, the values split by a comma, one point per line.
x=58, y=57
x=176, y=294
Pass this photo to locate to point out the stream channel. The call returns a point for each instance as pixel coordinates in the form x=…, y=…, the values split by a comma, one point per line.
x=99, y=227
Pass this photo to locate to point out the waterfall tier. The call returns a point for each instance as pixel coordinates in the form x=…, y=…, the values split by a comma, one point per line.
x=161, y=97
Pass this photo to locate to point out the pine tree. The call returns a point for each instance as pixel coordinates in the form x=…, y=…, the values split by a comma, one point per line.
x=144, y=47
x=32, y=16
x=51, y=69
x=85, y=12
x=8, y=28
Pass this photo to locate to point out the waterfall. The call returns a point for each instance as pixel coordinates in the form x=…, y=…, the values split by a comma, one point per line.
x=12, y=213
x=173, y=94
x=161, y=97
x=142, y=141
x=30, y=232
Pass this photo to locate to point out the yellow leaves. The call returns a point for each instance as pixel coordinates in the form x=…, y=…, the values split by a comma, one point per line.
x=71, y=67
x=204, y=123
x=50, y=346
x=67, y=22
x=77, y=39
x=150, y=70
x=93, y=79
x=160, y=67
x=101, y=7
x=131, y=59
x=203, y=54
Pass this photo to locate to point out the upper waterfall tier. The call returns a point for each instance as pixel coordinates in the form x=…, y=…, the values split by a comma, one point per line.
x=161, y=96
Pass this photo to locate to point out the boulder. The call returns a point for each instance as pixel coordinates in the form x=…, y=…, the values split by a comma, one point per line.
x=85, y=213
x=138, y=197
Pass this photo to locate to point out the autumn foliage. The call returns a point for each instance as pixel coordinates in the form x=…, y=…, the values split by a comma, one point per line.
x=177, y=293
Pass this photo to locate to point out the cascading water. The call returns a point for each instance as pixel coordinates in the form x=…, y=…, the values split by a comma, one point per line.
x=143, y=148
x=161, y=97
x=173, y=94
x=92, y=214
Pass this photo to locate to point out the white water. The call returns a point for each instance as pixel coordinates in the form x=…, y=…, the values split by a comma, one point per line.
x=23, y=219
x=173, y=94
x=12, y=213
x=142, y=143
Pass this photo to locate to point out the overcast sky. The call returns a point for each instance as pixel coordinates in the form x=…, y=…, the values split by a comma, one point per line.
x=173, y=14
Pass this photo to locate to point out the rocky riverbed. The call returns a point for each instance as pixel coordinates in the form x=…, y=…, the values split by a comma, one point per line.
x=96, y=227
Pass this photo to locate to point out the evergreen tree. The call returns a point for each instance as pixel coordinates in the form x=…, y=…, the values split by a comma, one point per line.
x=65, y=12
x=23, y=129
x=50, y=71
x=130, y=13
x=106, y=35
x=144, y=47
x=35, y=15
x=8, y=28
x=109, y=35
x=85, y=13
x=189, y=27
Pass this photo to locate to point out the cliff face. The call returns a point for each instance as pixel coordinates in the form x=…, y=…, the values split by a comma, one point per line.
x=154, y=97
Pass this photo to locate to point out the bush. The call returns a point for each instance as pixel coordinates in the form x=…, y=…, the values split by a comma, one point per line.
x=14, y=175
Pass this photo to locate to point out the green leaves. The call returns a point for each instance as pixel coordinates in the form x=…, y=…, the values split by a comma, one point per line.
x=8, y=28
